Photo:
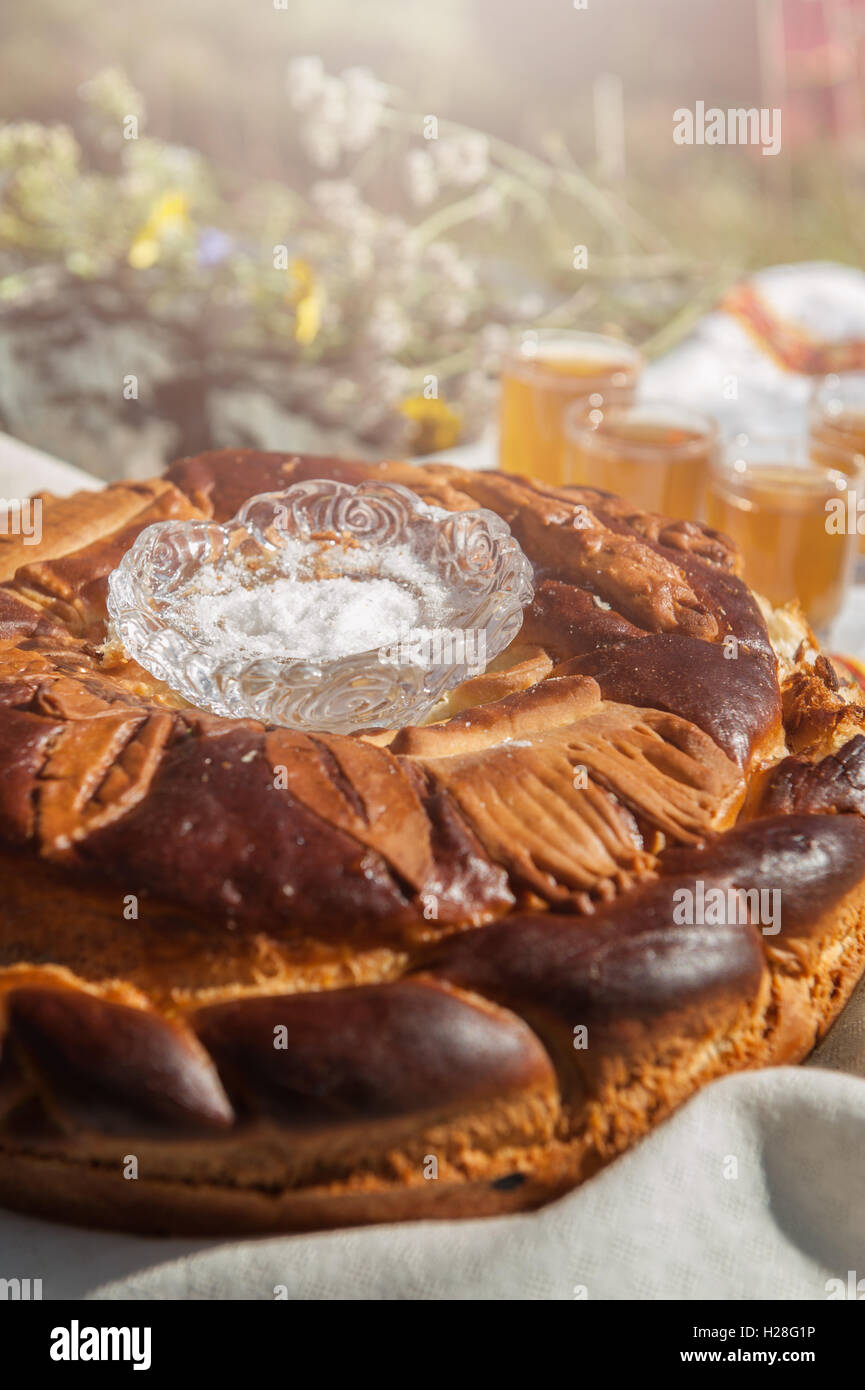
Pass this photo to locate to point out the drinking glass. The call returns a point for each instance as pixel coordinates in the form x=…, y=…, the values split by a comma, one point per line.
x=545, y=372
x=793, y=516
x=654, y=453
x=837, y=421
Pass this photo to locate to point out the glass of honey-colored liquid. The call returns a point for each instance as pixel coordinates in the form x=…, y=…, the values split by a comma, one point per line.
x=781, y=505
x=837, y=421
x=653, y=453
x=546, y=371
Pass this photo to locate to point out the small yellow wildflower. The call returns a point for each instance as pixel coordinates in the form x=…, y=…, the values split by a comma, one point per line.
x=168, y=216
x=307, y=300
x=437, y=424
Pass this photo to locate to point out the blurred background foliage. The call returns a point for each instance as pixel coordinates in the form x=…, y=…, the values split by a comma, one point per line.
x=154, y=259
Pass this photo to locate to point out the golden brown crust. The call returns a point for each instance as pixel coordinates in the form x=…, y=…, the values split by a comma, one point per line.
x=287, y=974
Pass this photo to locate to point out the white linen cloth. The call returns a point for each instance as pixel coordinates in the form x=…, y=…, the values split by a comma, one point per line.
x=668, y=1220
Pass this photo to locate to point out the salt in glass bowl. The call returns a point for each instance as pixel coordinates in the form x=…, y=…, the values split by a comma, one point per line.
x=181, y=598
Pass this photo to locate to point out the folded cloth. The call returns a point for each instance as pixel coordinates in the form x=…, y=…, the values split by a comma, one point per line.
x=753, y=361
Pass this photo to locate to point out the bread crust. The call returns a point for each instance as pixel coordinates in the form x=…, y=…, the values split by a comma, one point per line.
x=283, y=1036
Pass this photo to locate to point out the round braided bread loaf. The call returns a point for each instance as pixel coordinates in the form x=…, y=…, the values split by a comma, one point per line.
x=429, y=972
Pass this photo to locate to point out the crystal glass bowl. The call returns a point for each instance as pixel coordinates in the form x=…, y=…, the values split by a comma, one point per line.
x=258, y=618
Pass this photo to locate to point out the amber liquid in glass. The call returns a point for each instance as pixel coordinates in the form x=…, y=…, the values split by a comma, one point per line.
x=777, y=516
x=659, y=467
x=534, y=395
x=843, y=432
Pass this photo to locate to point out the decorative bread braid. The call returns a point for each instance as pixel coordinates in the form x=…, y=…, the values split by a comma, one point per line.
x=347, y=952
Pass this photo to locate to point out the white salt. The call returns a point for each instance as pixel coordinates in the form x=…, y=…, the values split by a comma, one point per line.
x=313, y=620
x=312, y=608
